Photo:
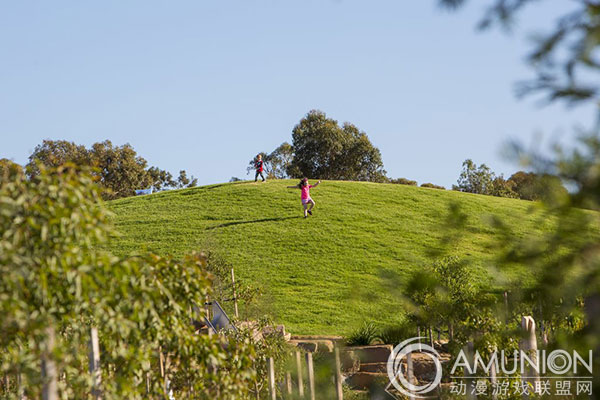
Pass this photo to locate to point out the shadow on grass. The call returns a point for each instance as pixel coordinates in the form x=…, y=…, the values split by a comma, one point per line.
x=225, y=225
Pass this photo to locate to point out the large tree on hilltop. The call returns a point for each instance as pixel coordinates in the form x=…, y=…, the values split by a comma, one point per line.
x=323, y=149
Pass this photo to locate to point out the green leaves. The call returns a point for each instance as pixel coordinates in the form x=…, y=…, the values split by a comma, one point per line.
x=53, y=275
x=323, y=149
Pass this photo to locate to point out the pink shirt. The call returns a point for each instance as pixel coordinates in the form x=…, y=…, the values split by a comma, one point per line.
x=305, y=192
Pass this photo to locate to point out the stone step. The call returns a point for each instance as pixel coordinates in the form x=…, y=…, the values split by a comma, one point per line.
x=318, y=337
x=373, y=367
x=313, y=346
x=370, y=354
x=366, y=380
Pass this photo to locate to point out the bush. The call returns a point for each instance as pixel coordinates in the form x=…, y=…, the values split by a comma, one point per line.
x=58, y=285
x=432, y=186
x=363, y=336
x=395, y=334
x=403, y=181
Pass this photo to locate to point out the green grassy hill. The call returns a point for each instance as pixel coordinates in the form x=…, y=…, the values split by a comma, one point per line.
x=325, y=274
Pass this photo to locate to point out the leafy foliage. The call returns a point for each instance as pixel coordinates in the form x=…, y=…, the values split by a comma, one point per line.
x=8, y=169
x=323, y=149
x=432, y=186
x=117, y=169
x=276, y=164
x=403, y=181
x=474, y=179
x=363, y=336
x=395, y=334
x=269, y=344
x=55, y=281
x=444, y=295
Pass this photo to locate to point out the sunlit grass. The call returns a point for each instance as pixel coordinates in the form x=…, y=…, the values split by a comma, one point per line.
x=328, y=273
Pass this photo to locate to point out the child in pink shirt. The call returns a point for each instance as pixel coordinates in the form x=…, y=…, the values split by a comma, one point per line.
x=305, y=195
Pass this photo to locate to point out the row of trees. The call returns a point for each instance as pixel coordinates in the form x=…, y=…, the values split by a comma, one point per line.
x=119, y=170
x=521, y=185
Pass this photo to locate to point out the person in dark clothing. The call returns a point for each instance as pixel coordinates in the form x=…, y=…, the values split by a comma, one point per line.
x=258, y=166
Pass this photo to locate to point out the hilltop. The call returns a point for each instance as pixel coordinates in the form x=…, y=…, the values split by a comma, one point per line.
x=328, y=273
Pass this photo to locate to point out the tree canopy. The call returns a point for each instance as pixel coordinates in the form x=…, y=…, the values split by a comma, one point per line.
x=119, y=170
x=321, y=148
x=57, y=284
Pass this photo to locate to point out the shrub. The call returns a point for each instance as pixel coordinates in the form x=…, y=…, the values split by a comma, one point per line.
x=363, y=336
x=58, y=285
x=432, y=186
x=403, y=181
x=395, y=334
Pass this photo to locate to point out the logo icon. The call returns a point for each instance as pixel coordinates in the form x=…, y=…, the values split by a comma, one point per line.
x=397, y=368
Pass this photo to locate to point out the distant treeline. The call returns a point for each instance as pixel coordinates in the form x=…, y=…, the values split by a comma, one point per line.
x=119, y=170
x=482, y=180
x=321, y=148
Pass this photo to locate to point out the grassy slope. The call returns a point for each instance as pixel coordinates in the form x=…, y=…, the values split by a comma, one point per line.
x=325, y=274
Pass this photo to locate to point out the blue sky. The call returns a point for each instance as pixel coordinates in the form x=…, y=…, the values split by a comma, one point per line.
x=205, y=85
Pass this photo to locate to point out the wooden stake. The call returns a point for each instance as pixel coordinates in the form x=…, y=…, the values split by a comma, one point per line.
x=431, y=337
x=288, y=383
x=506, y=310
x=20, y=389
x=299, y=370
x=338, y=374
x=94, y=363
x=163, y=370
x=311, y=375
x=49, y=372
x=272, y=379
x=235, y=305
x=161, y=362
x=409, y=372
x=529, y=346
x=493, y=379
x=470, y=353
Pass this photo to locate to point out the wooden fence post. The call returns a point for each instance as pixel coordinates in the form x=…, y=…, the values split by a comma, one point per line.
x=20, y=388
x=529, y=346
x=49, y=372
x=300, y=379
x=338, y=374
x=311, y=375
x=506, y=309
x=163, y=370
x=493, y=379
x=409, y=372
x=288, y=383
x=147, y=382
x=431, y=337
x=469, y=350
x=94, y=363
x=6, y=384
x=272, y=379
x=235, y=304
